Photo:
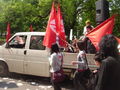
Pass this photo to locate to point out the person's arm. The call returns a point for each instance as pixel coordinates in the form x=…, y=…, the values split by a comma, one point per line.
x=85, y=31
x=79, y=60
x=74, y=62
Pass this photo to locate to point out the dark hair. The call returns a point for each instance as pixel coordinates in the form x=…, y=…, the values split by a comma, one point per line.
x=80, y=45
x=98, y=57
x=54, y=48
x=108, y=46
x=90, y=27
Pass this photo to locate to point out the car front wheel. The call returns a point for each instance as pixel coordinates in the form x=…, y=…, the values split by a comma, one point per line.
x=3, y=69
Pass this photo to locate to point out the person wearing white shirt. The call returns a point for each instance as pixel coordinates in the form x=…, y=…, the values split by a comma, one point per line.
x=82, y=71
x=85, y=31
x=56, y=61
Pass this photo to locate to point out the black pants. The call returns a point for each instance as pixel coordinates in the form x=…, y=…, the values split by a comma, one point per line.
x=56, y=85
x=80, y=80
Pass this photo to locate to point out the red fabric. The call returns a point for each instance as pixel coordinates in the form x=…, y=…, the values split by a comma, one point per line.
x=118, y=39
x=31, y=28
x=55, y=29
x=8, y=35
x=50, y=36
x=60, y=28
x=101, y=30
x=58, y=76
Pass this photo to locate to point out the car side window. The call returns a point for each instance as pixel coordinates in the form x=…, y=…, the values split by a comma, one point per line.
x=18, y=42
x=36, y=43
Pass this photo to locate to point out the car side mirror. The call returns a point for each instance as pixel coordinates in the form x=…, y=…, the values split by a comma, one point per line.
x=7, y=45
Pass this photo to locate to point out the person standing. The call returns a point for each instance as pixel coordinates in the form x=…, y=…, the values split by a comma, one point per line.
x=56, y=61
x=88, y=24
x=82, y=71
x=94, y=75
x=109, y=71
x=90, y=47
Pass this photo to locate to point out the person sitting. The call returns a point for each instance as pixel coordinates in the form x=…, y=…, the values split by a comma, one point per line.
x=17, y=42
x=20, y=42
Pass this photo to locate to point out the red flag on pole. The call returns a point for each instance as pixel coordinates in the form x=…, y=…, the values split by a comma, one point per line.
x=60, y=28
x=50, y=36
x=101, y=30
x=31, y=28
x=8, y=33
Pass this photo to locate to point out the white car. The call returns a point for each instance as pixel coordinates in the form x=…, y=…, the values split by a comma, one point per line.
x=25, y=54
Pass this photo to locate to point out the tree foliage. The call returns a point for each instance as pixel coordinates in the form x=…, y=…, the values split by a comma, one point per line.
x=23, y=13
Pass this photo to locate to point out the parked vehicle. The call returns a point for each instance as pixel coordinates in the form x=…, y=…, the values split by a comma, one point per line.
x=25, y=54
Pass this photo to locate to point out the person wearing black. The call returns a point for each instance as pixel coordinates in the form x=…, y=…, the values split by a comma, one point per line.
x=94, y=75
x=90, y=47
x=109, y=71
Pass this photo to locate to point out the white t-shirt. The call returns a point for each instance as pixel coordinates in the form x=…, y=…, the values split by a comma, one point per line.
x=119, y=48
x=55, y=62
x=81, y=58
x=85, y=30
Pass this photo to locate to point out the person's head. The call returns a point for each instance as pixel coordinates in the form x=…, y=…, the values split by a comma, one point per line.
x=17, y=38
x=54, y=48
x=98, y=58
x=33, y=38
x=108, y=46
x=89, y=28
x=80, y=45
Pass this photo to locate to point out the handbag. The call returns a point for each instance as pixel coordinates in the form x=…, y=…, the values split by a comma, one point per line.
x=58, y=76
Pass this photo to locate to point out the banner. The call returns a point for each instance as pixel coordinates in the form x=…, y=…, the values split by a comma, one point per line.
x=31, y=28
x=55, y=32
x=101, y=30
x=50, y=36
x=60, y=28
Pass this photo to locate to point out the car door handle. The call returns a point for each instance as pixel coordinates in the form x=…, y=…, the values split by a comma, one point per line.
x=25, y=52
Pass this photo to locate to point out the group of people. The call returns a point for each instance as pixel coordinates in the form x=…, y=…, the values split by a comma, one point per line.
x=107, y=75
x=88, y=46
x=108, y=62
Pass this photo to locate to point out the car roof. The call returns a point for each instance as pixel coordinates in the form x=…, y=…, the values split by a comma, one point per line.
x=30, y=33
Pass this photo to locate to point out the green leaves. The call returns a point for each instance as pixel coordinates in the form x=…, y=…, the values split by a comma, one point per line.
x=22, y=13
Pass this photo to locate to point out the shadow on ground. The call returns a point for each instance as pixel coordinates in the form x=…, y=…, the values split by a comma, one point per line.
x=36, y=80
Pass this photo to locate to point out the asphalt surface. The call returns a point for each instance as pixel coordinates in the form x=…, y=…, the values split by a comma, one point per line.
x=26, y=82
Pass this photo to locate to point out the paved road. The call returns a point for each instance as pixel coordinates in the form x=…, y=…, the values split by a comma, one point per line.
x=25, y=82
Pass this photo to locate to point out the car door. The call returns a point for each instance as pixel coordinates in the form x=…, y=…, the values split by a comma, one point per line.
x=13, y=53
x=36, y=60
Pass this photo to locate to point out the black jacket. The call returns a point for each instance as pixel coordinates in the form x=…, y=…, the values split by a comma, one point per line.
x=109, y=75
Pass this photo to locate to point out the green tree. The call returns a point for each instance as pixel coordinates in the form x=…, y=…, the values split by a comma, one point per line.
x=22, y=13
x=115, y=9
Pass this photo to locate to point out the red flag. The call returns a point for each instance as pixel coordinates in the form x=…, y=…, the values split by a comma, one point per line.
x=60, y=28
x=118, y=39
x=31, y=28
x=50, y=36
x=8, y=33
x=101, y=30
